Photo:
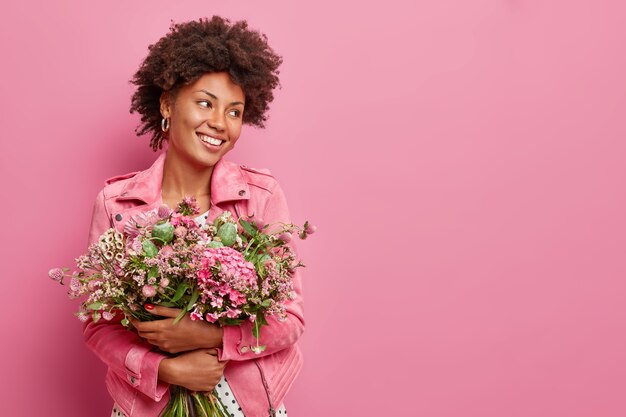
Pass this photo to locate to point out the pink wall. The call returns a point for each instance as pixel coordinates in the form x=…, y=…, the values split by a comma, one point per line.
x=464, y=161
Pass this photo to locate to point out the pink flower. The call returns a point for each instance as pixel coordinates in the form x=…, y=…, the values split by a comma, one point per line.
x=83, y=316
x=107, y=315
x=188, y=206
x=211, y=317
x=56, y=274
x=74, y=284
x=310, y=229
x=232, y=264
x=164, y=211
x=148, y=291
x=136, y=245
x=196, y=316
x=285, y=237
x=236, y=298
x=140, y=221
x=166, y=251
x=180, y=231
x=217, y=302
x=233, y=313
x=93, y=285
x=164, y=282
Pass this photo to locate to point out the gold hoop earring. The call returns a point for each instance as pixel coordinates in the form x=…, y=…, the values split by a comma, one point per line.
x=165, y=124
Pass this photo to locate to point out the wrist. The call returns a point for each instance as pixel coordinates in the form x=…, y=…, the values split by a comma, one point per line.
x=213, y=336
x=166, y=371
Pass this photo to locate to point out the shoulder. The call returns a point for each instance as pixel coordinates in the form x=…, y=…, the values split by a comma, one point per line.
x=119, y=178
x=113, y=186
x=271, y=196
x=259, y=178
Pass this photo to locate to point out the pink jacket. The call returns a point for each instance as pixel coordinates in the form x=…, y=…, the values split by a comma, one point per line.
x=258, y=381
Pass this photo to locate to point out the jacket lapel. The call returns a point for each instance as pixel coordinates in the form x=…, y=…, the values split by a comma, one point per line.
x=227, y=185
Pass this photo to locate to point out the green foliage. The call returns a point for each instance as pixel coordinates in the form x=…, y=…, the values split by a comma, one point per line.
x=149, y=248
x=163, y=231
x=227, y=234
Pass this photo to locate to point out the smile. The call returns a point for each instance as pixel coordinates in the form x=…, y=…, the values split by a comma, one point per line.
x=210, y=140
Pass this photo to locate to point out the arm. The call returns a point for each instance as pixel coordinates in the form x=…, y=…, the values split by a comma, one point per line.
x=122, y=350
x=275, y=335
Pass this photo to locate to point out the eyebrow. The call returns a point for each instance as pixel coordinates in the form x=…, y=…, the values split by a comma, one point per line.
x=208, y=93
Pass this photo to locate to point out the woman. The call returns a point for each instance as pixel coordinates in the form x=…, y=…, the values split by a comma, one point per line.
x=195, y=89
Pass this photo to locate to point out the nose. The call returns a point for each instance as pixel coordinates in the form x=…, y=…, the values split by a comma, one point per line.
x=216, y=120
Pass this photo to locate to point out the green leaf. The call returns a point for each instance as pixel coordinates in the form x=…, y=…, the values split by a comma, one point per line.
x=228, y=234
x=180, y=291
x=266, y=303
x=167, y=304
x=163, y=231
x=94, y=306
x=180, y=316
x=194, y=297
x=248, y=227
x=149, y=248
x=153, y=272
x=256, y=329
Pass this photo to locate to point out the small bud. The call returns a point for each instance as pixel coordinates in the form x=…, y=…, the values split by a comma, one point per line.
x=285, y=237
x=164, y=212
x=310, y=229
x=56, y=274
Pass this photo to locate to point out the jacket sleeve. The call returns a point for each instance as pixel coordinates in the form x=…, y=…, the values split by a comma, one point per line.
x=275, y=335
x=122, y=350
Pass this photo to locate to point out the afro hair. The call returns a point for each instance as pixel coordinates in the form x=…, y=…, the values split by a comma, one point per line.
x=194, y=48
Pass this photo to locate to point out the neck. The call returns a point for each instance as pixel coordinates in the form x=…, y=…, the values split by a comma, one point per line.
x=182, y=179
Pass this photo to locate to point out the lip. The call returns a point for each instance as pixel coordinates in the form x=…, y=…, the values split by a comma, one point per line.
x=212, y=148
x=213, y=136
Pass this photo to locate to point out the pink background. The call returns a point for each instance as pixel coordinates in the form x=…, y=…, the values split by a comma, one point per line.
x=464, y=161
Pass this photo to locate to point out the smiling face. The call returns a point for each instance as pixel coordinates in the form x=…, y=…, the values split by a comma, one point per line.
x=205, y=119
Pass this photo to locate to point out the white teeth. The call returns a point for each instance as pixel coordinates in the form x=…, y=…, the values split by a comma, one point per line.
x=209, y=139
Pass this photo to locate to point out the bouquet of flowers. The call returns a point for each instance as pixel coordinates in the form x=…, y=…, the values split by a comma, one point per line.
x=224, y=272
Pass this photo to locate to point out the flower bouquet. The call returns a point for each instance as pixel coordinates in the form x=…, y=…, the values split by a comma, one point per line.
x=224, y=272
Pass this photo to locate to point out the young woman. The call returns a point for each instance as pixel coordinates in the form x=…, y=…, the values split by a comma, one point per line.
x=196, y=88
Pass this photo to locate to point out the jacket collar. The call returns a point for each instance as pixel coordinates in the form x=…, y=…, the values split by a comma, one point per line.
x=227, y=183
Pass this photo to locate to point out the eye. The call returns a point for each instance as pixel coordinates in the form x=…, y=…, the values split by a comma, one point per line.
x=235, y=113
x=204, y=103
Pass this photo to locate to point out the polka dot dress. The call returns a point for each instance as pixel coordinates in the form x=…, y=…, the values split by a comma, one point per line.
x=222, y=389
x=226, y=397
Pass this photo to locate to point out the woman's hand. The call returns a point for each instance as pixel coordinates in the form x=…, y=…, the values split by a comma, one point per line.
x=183, y=336
x=198, y=370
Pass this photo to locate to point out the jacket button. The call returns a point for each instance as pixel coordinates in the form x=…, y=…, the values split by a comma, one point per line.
x=132, y=380
x=118, y=217
x=244, y=349
x=242, y=192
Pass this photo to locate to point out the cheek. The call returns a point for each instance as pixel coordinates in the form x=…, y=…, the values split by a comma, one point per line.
x=235, y=130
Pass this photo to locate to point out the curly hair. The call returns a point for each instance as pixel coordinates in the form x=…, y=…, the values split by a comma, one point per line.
x=194, y=48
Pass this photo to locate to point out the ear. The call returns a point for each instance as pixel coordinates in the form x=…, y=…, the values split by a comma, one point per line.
x=165, y=106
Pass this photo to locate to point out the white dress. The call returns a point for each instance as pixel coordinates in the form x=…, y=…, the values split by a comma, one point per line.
x=222, y=389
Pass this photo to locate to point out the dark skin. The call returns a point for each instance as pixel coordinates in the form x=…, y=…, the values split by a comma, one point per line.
x=196, y=366
x=209, y=110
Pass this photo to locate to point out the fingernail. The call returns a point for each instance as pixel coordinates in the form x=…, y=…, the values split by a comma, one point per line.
x=149, y=306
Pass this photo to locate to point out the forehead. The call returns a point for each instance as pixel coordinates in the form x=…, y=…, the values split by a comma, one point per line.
x=218, y=84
